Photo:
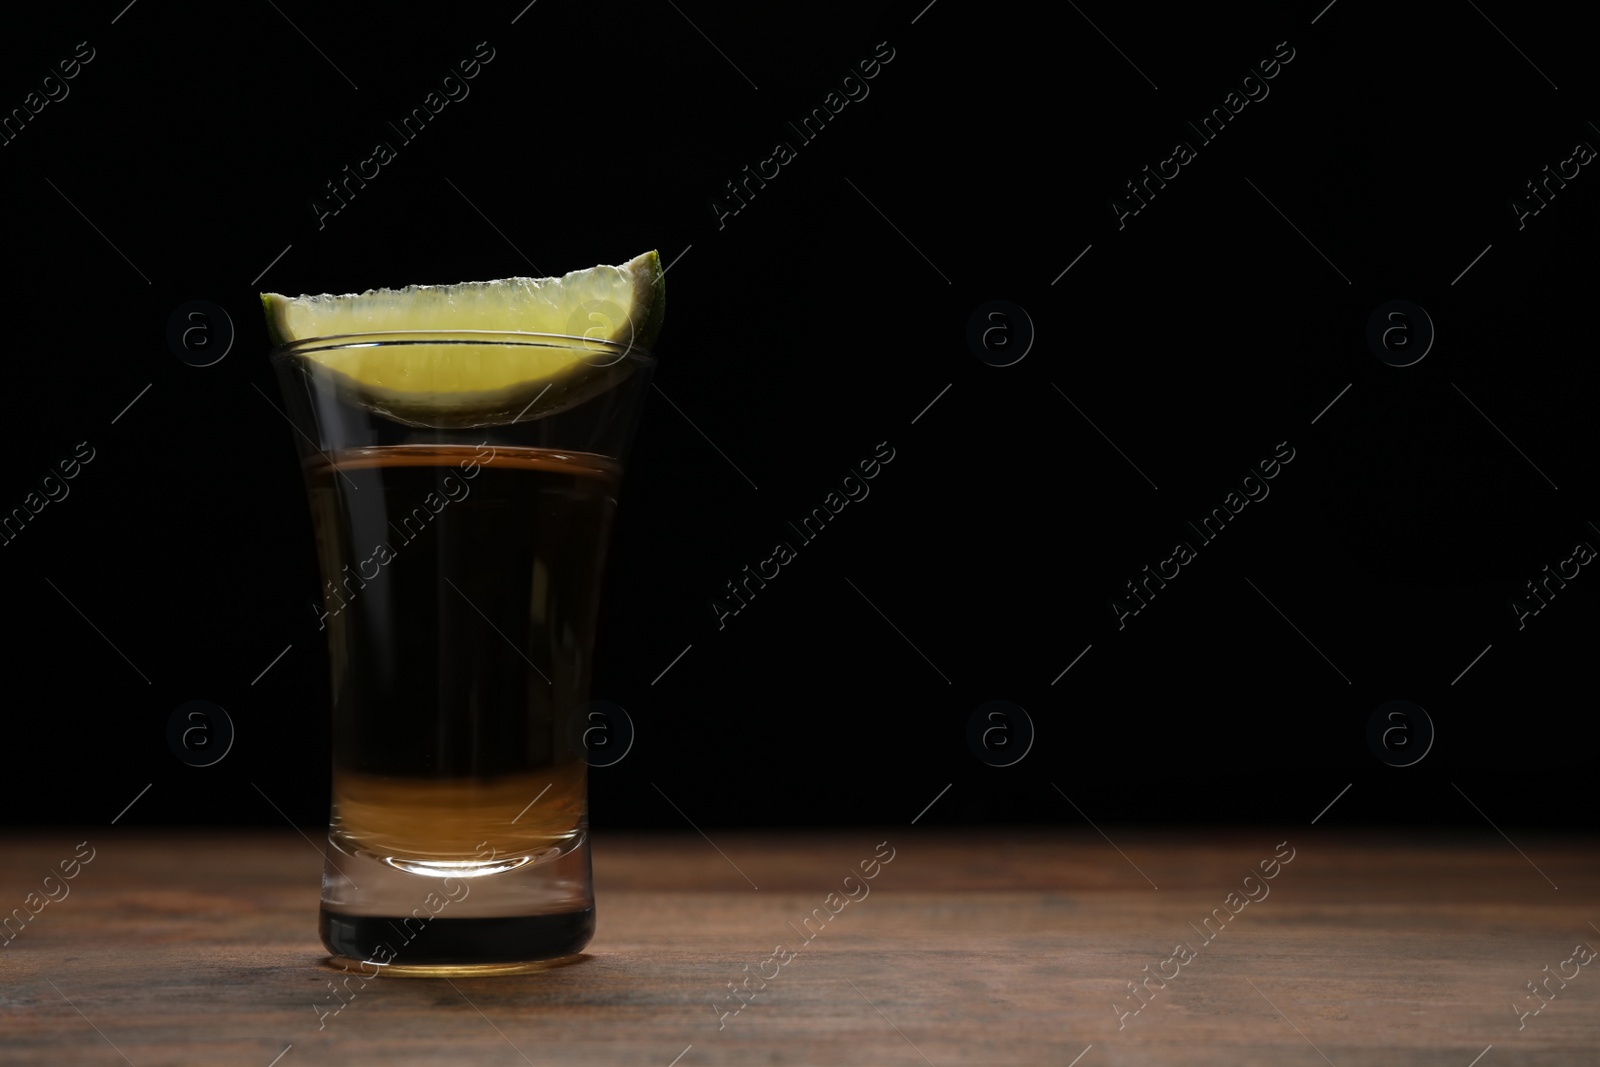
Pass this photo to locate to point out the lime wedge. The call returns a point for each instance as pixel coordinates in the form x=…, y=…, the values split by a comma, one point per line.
x=491, y=371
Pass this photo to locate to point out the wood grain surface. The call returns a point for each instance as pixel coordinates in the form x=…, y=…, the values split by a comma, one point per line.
x=991, y=947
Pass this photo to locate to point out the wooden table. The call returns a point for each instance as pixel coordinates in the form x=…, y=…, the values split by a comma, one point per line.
x=991, y=947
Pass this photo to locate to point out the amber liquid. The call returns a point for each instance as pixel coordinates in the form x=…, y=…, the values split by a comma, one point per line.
x=461, y=590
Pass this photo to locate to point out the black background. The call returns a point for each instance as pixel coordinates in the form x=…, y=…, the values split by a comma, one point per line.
x=820, y=320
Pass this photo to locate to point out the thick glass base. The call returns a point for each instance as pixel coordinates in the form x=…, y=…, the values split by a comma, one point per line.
x=451, y=947
x=504, y=915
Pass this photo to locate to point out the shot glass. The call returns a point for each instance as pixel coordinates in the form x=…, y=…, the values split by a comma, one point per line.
x=462, y=544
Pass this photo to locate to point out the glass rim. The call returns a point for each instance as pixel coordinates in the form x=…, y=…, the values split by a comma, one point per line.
x=509, y=338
